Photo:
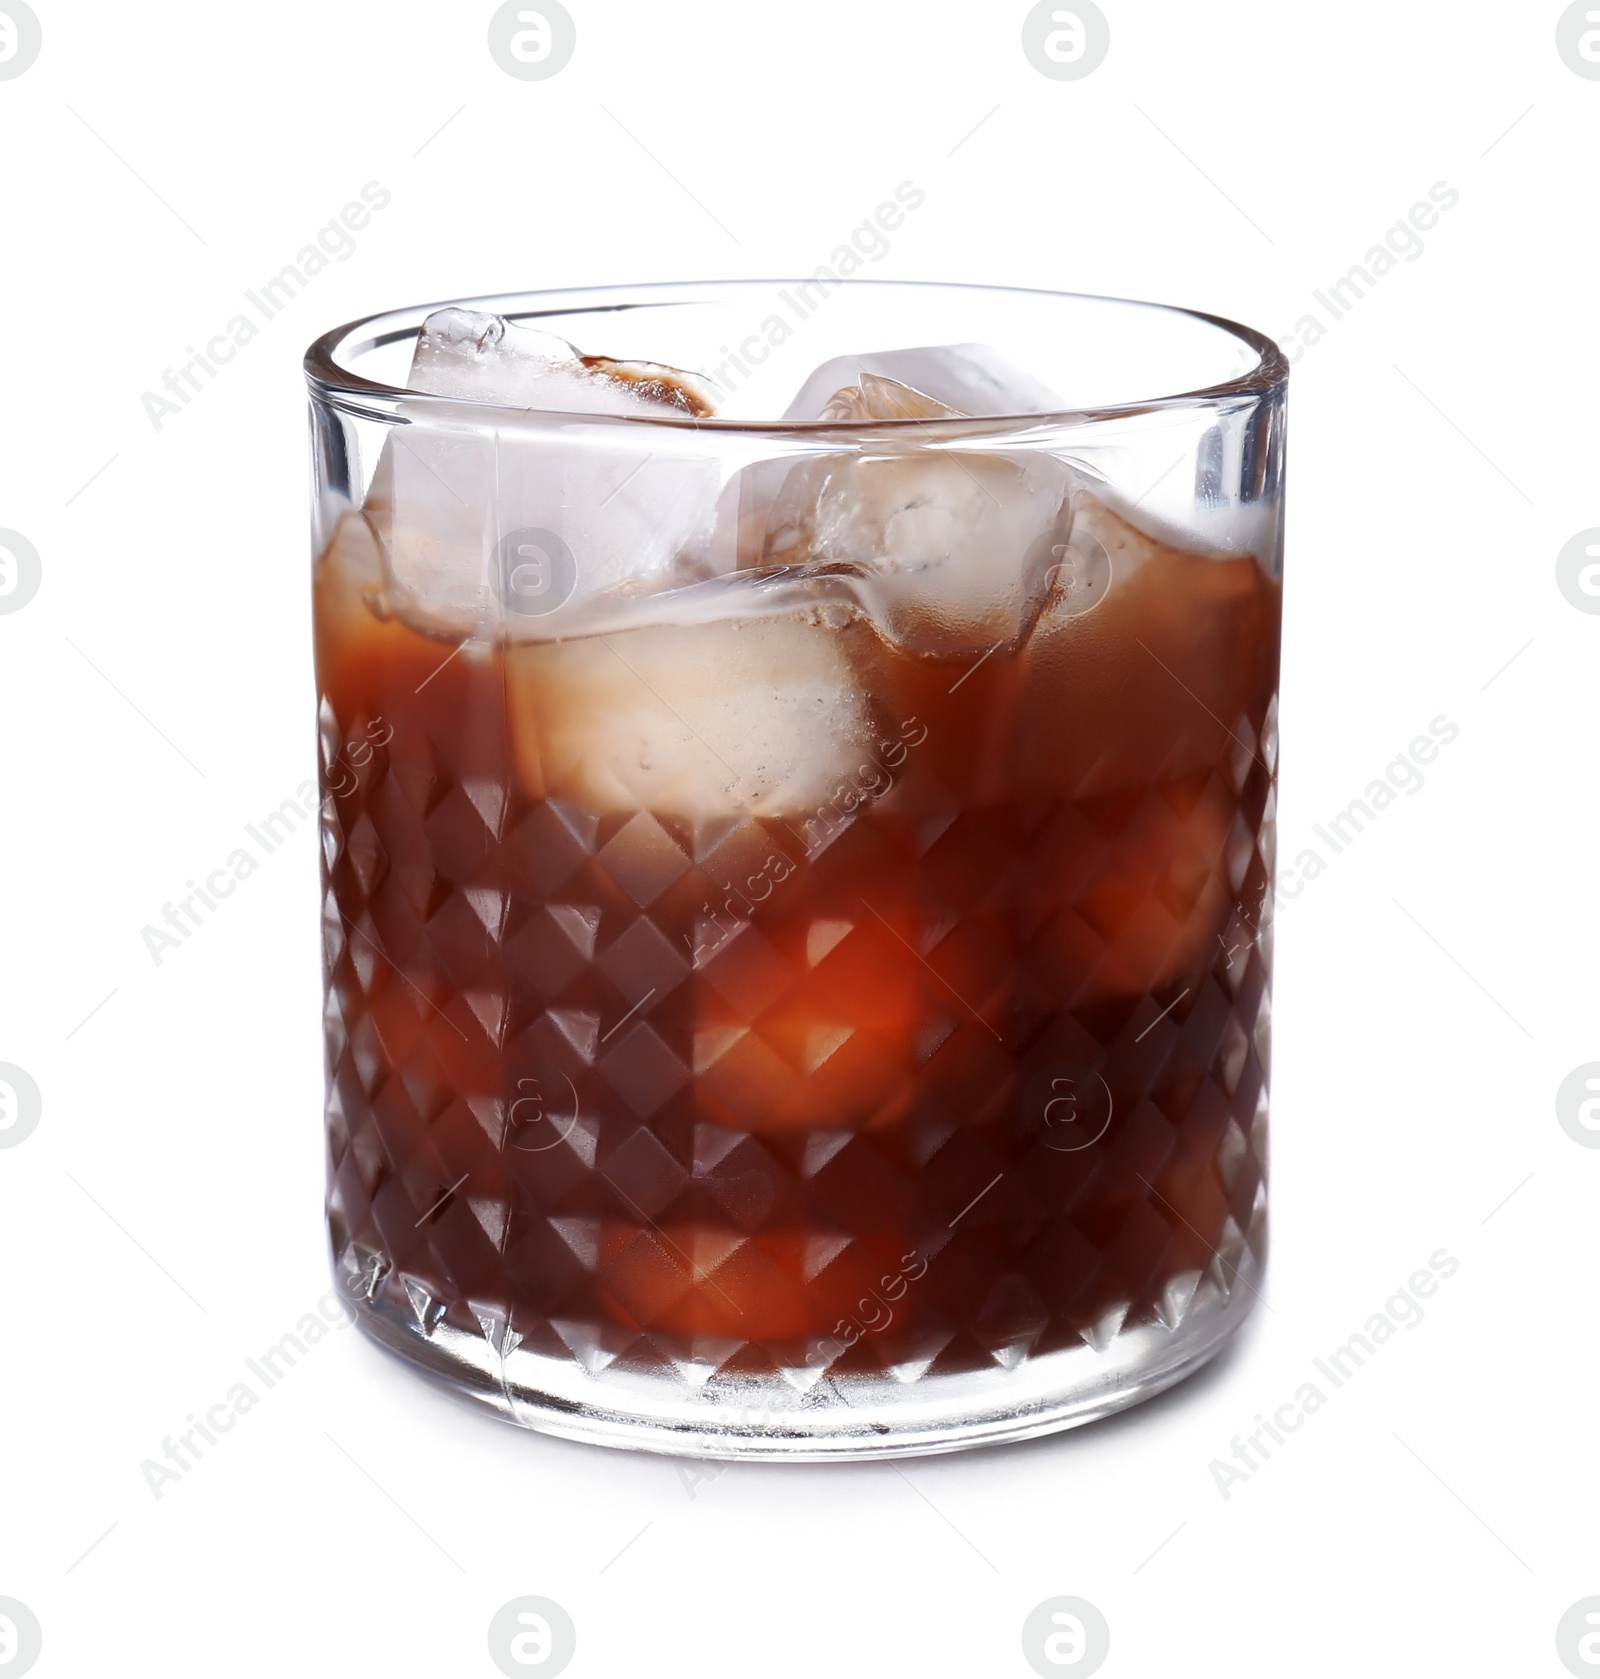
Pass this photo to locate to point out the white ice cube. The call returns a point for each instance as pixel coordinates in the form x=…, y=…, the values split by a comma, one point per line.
x=951, y=541
x=485, y=358
x=964, y=378
x=510, y=527
x=703, y=721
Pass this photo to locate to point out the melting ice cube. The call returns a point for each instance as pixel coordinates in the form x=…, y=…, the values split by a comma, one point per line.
x=701, y=720
x=485, y=358
x=950, y=540
x=509, y=526
x=965, y=378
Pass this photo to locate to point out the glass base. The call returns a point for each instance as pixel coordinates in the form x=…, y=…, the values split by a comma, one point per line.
x=805, y=1415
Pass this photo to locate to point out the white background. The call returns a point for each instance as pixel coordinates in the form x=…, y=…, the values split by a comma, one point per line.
x=1434, y=986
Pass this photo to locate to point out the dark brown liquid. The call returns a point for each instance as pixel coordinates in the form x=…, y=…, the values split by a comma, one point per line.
x=959, y=1064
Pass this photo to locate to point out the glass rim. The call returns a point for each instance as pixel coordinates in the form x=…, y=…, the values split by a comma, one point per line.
x=330, y=379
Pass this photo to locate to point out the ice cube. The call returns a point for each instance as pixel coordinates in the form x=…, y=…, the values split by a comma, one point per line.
x=698, y=720
x=951, y=543
x=485, y=358
x=508, y=528
x=963, y=378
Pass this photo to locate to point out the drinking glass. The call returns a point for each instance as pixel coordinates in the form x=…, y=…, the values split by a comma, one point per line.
x=797, y=892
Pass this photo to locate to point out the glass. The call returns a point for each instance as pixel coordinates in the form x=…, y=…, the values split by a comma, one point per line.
x=814, y=1001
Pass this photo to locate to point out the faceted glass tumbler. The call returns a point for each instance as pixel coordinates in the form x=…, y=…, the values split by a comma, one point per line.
x=797, y=893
